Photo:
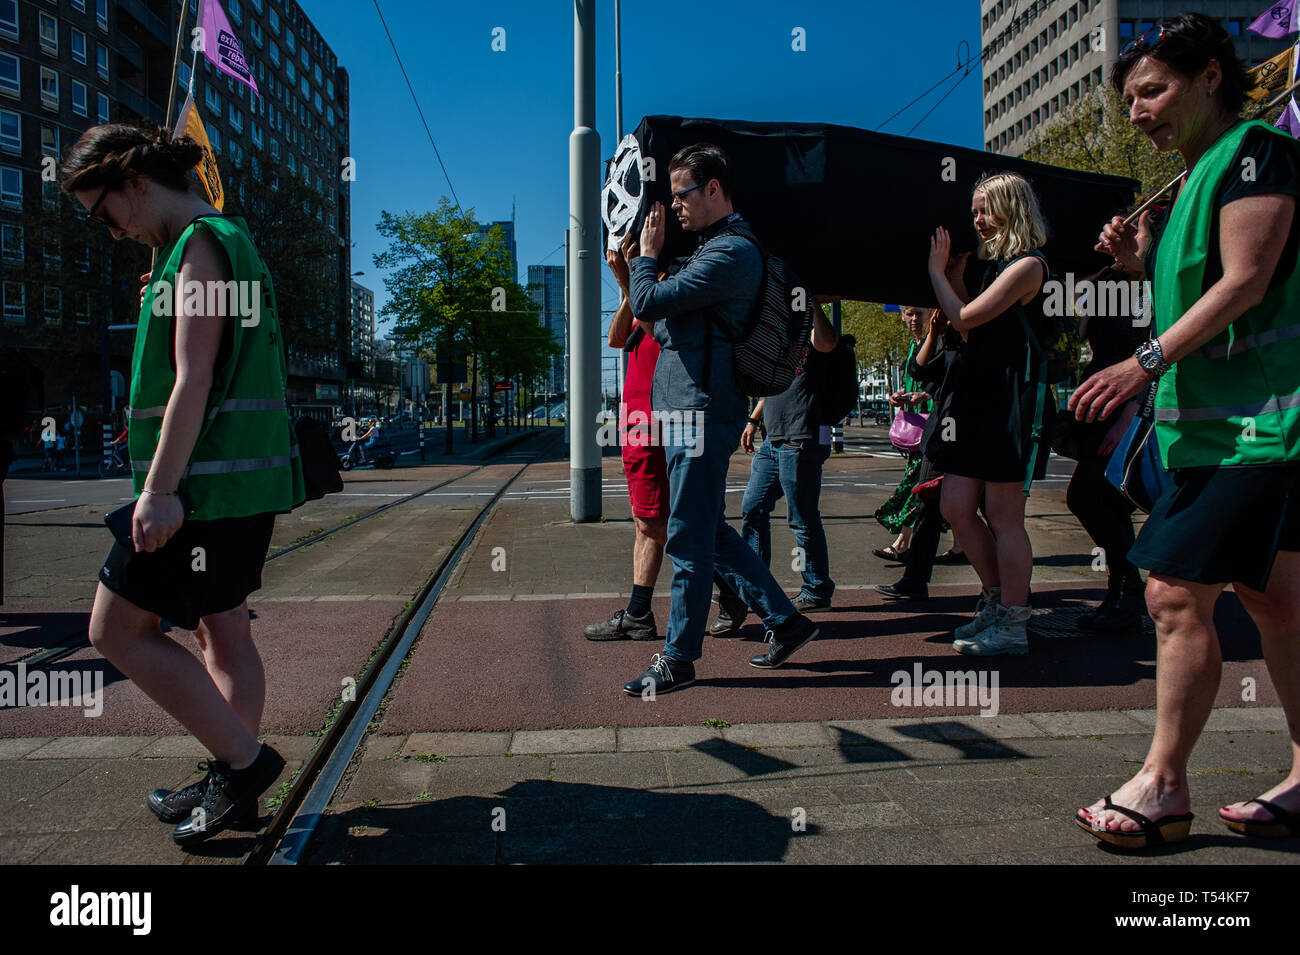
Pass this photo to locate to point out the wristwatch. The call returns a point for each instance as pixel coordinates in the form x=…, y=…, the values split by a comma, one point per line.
x=756, y=422
x=1152, y=358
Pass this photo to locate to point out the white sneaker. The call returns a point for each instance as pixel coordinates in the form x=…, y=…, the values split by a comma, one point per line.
x=985, y=614
x=1007, y=635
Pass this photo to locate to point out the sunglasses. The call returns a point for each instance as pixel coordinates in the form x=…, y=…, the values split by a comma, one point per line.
x=682, y=194
x=1147, y=41
x=93, y=214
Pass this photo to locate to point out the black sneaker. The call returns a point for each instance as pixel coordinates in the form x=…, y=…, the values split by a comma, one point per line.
x=231, y=795
x=172, y=806
x=784, y=641
x=624, y=626
x=728, y=620
x=803, y=603
x=664, y=676
x=902, y=591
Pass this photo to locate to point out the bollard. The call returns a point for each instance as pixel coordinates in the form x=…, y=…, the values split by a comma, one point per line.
x=108, y=445
x=837, y=437
x=421, y=440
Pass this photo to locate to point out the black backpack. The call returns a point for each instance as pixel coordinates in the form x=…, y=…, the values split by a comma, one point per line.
x=320, y=462
x=840, y=390
x=775, y=345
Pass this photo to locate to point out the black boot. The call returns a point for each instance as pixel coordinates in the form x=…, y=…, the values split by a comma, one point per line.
x=1126, y=612
x=230, y=797
x=1087, y=621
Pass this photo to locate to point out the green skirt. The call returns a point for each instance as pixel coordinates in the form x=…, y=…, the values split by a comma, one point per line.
x=901, y=509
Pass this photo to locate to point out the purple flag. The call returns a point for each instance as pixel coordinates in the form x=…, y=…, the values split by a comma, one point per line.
x=1277, y=21
x=1289, y=121
x=222, y=49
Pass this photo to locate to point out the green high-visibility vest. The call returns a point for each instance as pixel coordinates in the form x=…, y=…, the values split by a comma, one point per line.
x=245, y=460
x=1236, y=400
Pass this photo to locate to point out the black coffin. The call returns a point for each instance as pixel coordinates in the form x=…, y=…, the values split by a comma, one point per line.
x=852, y=211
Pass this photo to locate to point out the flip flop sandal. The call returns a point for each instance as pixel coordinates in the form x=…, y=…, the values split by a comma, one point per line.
x=1166, y=829
x=1283, y=824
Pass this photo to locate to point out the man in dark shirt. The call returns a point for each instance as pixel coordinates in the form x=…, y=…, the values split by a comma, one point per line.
x=789, y=463
x=697, y=314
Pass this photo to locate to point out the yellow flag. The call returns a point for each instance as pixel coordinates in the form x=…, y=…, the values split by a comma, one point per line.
x=189, y=124
x=1270, y=77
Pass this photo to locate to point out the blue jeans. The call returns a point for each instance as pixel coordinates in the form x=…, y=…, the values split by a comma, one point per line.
x=792, y=470
x=700, y=539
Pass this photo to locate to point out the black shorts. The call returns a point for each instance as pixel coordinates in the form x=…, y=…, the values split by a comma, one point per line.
x=181, y=586
x=1222, y=525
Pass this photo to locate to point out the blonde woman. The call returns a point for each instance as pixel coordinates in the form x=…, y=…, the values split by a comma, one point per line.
x=984, y=444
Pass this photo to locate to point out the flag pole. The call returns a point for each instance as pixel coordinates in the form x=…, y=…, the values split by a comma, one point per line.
x=176, y=67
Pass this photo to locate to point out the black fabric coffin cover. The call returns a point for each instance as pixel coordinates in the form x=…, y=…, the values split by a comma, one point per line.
x=852, y=211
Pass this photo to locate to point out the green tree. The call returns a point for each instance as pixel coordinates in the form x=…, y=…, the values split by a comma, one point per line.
x=882, y=337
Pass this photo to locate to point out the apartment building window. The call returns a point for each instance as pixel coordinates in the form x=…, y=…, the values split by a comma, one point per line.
x=101, y=13
x=78, y=43
x=291, y=162
x=329, y=115
x=101, y=62
x=257, y=135
x=290, y=42
x=319, y=76
x=80, y=98
x=15, y=295
x=212, y=98
x=275, y=149
x=214, y=137
x=53, y=305
x=49, y=89
x=9, y=19
x=304, y=57
x=50, y=141
x=256, y=5
x=290, y=73
x=101, y=102
x=274, y=52
x=83, y=306
x=11, y=132
x=11, y=243
x=236, y=14
x=1233, y=27
x=79, y=5
x=49, y=31
x=53, y=254
x=1126, y=28
x=236, y=116
x=305, y=86
x=259, y=37
x=273, y=21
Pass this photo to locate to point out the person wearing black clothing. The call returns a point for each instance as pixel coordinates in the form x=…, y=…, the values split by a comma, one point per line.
x=930, y=366
x=1103, y=511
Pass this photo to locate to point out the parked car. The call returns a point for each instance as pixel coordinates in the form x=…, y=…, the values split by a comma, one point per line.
x=878, y=410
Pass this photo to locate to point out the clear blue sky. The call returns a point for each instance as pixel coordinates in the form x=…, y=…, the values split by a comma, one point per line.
x=502, y=120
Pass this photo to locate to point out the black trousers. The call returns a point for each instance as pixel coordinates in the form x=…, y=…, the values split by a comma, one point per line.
x=1104, y=513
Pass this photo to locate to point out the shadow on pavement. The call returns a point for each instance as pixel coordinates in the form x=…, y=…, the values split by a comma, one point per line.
x=541, y=822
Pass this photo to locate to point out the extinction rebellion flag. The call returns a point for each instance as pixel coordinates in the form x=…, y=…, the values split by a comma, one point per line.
x=189, y=124
x=220, y=46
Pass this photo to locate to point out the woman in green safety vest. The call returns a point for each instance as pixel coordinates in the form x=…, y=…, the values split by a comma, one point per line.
x=1226, y=351
x=214, y=459
x=899, y=513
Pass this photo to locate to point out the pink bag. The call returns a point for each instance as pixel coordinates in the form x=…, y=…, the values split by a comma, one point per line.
x=906, y=431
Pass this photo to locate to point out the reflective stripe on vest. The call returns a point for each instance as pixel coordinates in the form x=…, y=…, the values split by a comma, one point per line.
x=1247, y=342
x=201, y=468
x=230, y=404
x=1228, y=411
x=137, y=414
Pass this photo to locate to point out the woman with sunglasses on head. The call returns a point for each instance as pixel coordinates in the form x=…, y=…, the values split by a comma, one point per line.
x=985, y=444
x=214, y=458
x=1225, y=350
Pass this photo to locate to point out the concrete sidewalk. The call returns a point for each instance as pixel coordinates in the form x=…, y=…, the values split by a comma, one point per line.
x=937, y=790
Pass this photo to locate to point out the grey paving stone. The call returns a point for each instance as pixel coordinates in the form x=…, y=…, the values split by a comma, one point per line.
x=719, y=830
x=1077, y=757
x=592, y=843
x=766, y=735
x=18, y=748
x=186, y=746
x=22, y=849
x=633, y=739
x=1008, y=726
x=61, y=816
x=996, y=837
x=399, y=847
x=379, y=747
x=1145, y=717
x=1096, y=723
x=28, y=779
x=457, y=744
x=602, y=740
x=890, y=731
x=972, y=771
x=615, y=770
x=1213, y=751
x=949, y=803
x=294, y=749
x=387, y=781
x=1246, y=718
x=871, y=815
x=90, y=747
x=112, y=848
x=869, y=847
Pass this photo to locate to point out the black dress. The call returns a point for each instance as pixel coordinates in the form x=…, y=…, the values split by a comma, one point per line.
x=986, y=432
